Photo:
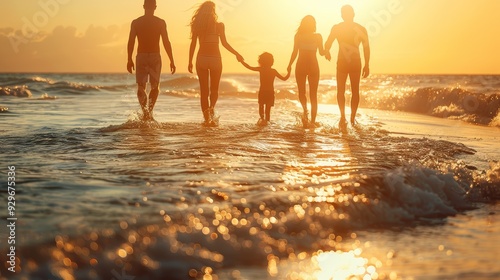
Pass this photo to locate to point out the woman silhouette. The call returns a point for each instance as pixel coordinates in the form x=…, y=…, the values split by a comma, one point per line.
x=208, y=31
x=307, y=42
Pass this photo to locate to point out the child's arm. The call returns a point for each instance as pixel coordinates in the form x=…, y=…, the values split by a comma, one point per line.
x=283, y=78
x=249, y=67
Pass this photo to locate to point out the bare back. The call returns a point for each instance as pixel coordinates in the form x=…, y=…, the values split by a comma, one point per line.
x=308, y=45
x=149, y=30
x=209, y=41
x=267, y=76
x=350, y=35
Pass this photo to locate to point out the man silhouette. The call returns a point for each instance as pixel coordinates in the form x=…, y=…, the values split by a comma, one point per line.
x=148, y=29
x=349, y=35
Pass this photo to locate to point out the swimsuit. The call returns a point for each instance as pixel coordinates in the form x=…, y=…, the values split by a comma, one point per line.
x=213, y=63
x=209, y=62
x=307, y=63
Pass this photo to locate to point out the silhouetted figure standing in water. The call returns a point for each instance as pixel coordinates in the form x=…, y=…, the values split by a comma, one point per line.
x=148, y=29
x=350, y=35
x=208, y=31
x=266, y=90
x=306, y=43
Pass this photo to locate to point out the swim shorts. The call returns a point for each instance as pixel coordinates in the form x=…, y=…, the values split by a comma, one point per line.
x=148, y=68
x=351, y=68
x=266, y=98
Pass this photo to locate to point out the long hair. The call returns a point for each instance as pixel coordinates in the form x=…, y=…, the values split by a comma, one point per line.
x=203, y=18
x=307, y=25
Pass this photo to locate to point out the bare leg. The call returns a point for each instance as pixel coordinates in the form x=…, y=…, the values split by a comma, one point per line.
x=313, y=92
x=355, y=95
x=215, y=75
x=204, y=91
x=261, y=111
x=268, y=113
x=341, y=80
x=153, y=96
x=301, y=84
x=143, y=98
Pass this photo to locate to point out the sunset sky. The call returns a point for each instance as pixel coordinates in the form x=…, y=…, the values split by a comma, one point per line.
x=407, y=36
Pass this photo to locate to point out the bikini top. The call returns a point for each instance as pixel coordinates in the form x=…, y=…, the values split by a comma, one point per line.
x=211, y=37
x=307, y=44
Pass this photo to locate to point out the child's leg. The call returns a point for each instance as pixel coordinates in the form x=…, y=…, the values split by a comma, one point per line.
x=261, y=111
x=268, y=112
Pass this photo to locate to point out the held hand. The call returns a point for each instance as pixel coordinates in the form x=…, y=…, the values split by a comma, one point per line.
x=240, y=58
x=366, y=71
x=289, y=72
x=130, y=66
x=190, y=68
x=172, y=68
x=328, y=56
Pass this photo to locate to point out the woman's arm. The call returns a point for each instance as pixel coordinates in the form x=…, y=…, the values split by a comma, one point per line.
x=295, y=52
x=321, y=49
x=191, y=52
x=283, y=78
x=222, y=34
x=329, y=42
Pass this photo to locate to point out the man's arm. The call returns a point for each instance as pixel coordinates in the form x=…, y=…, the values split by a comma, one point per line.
x=329, y=42
x=223, y=39
x=366, y=51
x=130, y=47
x=167, y=46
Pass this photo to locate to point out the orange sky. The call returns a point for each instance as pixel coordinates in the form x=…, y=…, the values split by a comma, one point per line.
x=407, y=36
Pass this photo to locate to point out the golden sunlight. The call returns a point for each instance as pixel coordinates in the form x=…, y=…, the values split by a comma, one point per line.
x=332, y=265
x=343, y=265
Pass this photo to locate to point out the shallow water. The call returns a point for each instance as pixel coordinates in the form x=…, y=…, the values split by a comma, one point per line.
x=102, y=193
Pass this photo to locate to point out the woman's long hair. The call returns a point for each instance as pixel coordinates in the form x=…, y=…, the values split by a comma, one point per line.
x=203, y=18
x=307, y=25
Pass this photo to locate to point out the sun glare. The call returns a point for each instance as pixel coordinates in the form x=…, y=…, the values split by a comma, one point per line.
x=331, y=265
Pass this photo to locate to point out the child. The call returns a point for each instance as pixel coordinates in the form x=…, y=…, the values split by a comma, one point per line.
x=266, y=90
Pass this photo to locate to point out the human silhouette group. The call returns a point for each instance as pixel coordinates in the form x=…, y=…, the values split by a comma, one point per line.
x=209, y=33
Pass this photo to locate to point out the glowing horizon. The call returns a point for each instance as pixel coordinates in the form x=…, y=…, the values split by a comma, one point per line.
x=407, y=37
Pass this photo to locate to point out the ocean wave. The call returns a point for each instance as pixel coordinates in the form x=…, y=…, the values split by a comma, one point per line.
x=486, y=185
x=23, y=81
x=453, y=103
x=215, y=235
x=456, y=103
x=398, y=93
x=182, y=83
x=59, y=86
x=20, y=91
x=320, y=195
